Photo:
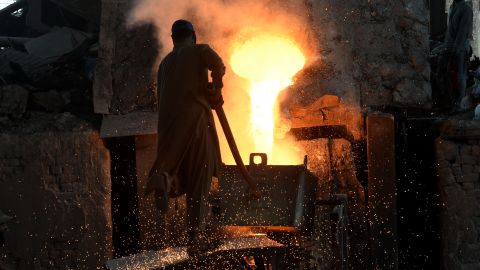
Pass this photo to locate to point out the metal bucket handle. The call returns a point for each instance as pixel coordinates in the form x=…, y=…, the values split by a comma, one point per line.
x=263, y=157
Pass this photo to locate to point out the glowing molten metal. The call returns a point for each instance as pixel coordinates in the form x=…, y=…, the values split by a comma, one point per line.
x=269, y=63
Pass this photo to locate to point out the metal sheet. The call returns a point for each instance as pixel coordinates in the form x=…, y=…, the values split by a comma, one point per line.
x=57, y=43
x=177, y=257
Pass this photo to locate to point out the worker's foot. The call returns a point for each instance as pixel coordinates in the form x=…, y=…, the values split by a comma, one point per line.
x=159, y=184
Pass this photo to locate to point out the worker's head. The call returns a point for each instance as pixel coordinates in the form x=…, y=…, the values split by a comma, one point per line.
x=183, y=32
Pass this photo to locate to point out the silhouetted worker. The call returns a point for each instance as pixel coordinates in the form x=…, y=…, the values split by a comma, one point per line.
x=460, y=21
x=188, y=153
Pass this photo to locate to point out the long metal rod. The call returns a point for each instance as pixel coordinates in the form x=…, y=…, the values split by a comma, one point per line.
x=236, y=154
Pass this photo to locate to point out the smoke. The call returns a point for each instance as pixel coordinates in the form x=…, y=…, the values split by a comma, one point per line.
x=218, y=21
x=222, y=24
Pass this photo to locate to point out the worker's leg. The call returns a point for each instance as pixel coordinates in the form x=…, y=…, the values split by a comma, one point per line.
x=461, y=65
x=197, y=197
x=197, y=171
x=198, y=209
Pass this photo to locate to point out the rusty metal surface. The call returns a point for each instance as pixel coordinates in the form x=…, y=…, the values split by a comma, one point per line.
x=288, y=194
x=178, y=257
x=316, y=132
x=236, y=154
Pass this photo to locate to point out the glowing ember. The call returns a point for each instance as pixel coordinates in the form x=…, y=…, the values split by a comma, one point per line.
x=268, y=62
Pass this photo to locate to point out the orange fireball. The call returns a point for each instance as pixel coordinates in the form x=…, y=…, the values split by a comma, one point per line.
x=269, y=63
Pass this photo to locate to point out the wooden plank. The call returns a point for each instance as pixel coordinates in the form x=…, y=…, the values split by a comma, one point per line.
x=102, y=85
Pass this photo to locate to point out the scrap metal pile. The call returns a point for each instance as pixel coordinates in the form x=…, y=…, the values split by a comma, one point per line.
x=45, y=66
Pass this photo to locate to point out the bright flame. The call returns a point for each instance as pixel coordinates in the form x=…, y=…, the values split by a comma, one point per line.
x=269, y=63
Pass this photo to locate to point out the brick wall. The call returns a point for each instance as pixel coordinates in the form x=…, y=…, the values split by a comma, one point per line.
x=371, y=53
x=458, y=169
x=56, y=185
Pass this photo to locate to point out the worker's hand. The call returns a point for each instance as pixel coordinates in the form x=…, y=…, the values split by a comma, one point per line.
x=214, y=94
x=216, y=102
x=218, y=85
x=158, y=182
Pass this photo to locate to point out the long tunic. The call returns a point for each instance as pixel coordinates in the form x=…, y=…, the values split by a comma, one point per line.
x=188, y=147
x=460, y=23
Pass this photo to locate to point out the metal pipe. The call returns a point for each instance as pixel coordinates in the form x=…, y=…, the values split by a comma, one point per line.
x=236, y=154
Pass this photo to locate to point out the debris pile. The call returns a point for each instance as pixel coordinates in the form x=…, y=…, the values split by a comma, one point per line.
x=49, y=71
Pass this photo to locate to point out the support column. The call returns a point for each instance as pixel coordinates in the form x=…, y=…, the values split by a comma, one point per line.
x=382, y=209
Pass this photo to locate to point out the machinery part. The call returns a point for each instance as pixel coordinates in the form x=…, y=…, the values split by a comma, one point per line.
x=339, y=227
x=288, y=200
x=340, y=217
x=236, y=154
x=317, y=132
x=263, y=159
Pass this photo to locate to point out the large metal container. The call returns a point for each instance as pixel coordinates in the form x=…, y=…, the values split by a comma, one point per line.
x=287, y=202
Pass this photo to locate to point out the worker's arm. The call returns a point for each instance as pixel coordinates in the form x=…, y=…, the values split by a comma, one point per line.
x=161, y=76
x=215, y=64
x=464, y=28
